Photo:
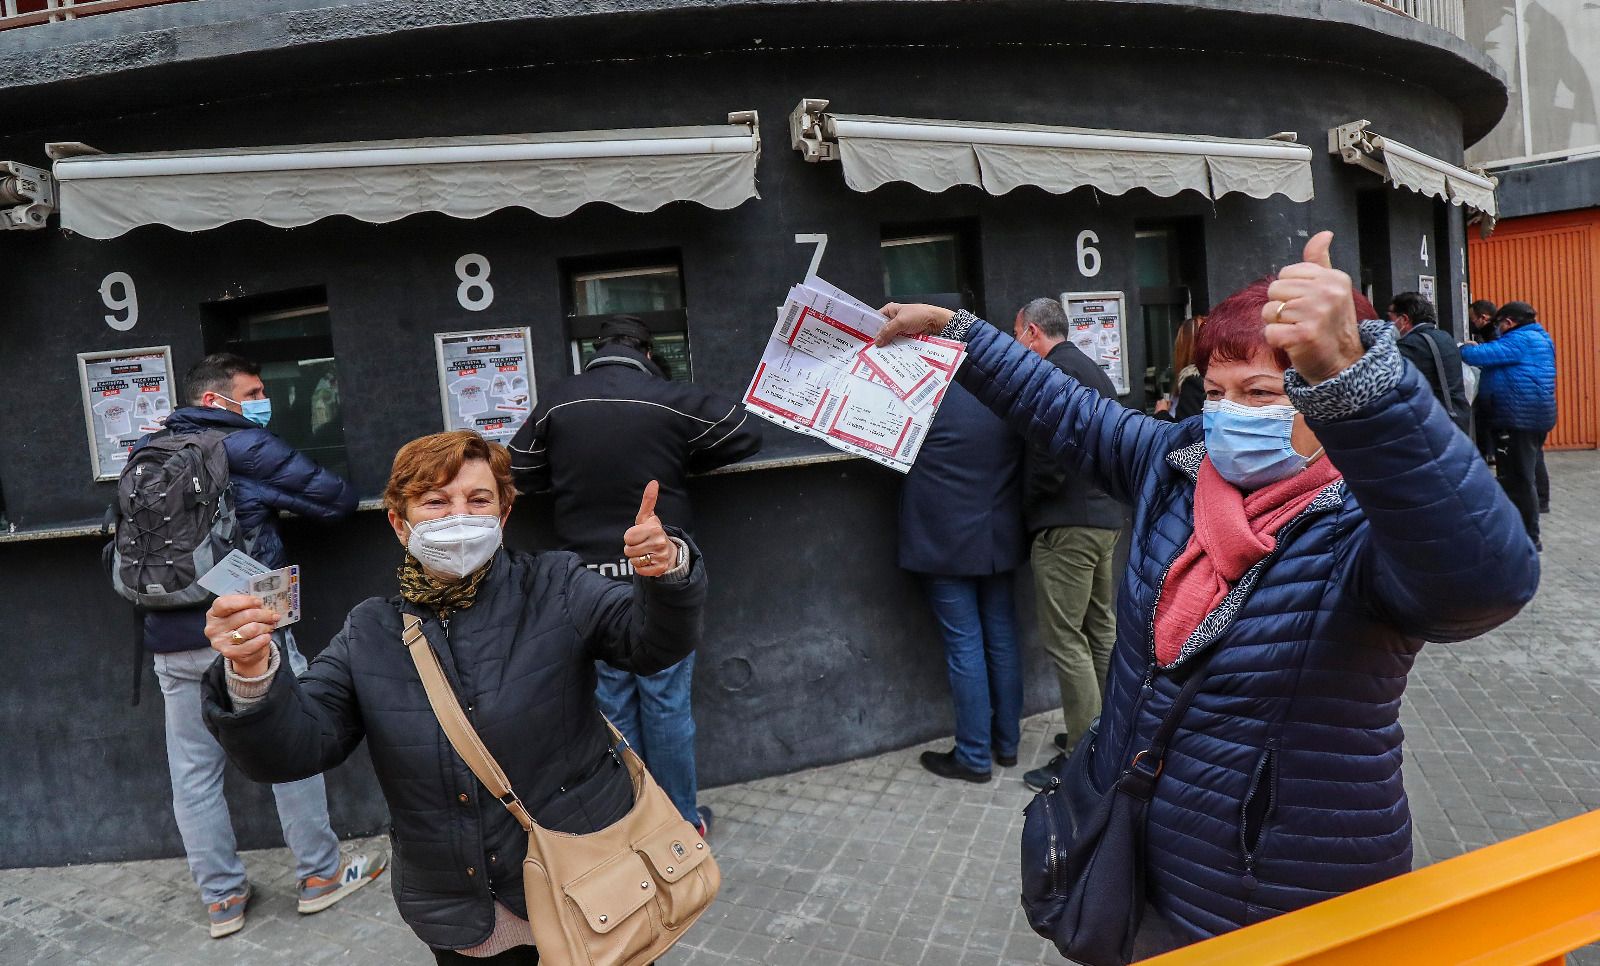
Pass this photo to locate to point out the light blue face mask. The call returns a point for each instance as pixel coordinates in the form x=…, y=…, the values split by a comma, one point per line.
x=258, y=411
x=1249, y=445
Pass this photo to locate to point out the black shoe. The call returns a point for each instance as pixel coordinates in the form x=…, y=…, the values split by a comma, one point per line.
x=1004, y=761
x=1039, y=778
x=706, y=818
x=1061, y=740
x=1544, y=508
x=944, y=765
x=1538, y=545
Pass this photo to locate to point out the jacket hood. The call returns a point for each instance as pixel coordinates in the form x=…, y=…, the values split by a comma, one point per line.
x=621, y=355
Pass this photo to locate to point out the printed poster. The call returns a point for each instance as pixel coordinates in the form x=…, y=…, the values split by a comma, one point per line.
x=127, y=393
x=1098, y=326
x=1426, y=287
x=485, y=381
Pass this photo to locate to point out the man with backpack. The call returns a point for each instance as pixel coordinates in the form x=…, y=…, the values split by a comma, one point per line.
x=234, y=477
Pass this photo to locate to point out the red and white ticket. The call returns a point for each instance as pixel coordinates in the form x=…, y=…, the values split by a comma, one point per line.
x=821, y=375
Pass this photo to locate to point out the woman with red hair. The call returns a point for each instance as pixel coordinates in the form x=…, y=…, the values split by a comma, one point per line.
x=1293, y=549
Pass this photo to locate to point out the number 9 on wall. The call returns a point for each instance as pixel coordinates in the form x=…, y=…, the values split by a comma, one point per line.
x=127, y=301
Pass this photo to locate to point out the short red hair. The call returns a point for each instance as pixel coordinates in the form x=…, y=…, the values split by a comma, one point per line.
x=432, y=461
x=1235, y=332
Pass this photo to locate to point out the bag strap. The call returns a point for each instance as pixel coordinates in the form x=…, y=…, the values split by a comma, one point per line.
x=455, y=724
x=1444, y=381
x=1139, y=778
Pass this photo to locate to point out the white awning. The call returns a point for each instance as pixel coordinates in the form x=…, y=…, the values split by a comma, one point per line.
x=102, y=195
x=1406, y=167
x=936, y=155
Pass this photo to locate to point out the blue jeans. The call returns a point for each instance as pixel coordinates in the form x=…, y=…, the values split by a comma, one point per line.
x=195, y=762
x=652, y=712
x=978, y=621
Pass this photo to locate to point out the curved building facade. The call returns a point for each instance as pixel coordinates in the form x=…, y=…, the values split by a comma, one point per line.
x=817, y=647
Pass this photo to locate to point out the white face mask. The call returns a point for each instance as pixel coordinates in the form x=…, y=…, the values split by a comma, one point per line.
x=455, y=546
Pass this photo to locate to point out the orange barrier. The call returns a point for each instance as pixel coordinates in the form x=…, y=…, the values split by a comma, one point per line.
x=1527, y=901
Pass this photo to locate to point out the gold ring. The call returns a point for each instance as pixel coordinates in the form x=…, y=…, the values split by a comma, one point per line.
x=1276, y=313
x=236, y=637
x=648, y=558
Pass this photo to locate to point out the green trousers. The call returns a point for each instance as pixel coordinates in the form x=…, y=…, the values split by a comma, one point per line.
x=1072, y=580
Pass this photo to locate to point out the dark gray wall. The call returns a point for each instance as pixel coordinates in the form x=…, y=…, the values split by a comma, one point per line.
x=1547, y=188
x=784, y=684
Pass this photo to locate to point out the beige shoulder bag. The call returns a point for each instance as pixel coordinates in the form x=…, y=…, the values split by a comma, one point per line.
x=621, y=896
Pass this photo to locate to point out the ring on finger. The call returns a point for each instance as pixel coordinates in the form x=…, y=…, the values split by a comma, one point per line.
x=1277, y=310
x=649, y=558
x=236, y=637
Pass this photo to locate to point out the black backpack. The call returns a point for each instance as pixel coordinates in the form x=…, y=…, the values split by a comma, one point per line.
x=175, y=520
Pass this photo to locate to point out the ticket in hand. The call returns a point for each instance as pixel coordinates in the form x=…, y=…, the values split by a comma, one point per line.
x=901, y=366
x=279, y=591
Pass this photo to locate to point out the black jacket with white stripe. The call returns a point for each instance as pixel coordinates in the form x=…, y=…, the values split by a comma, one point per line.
x=598, y=438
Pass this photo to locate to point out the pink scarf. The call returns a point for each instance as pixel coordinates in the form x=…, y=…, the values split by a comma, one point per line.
x=1233, y=531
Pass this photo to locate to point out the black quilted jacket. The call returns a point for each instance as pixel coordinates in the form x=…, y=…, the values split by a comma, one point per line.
x=522, y=663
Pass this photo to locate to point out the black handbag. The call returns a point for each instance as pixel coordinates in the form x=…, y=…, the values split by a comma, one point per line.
x=1083, y=849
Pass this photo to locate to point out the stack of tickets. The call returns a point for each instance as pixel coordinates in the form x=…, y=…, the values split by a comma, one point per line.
x=821, y=375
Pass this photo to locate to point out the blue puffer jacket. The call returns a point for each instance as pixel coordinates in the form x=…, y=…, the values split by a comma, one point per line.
x=1283, y=785
x=268, y=475
x=1519, y=378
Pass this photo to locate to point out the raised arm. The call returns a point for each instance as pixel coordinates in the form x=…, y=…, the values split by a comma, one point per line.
x=274, y=726
x=1112, y=444
x=656, y=621
x=728, y=436
x=289, y=479
x=1487, y=355
x=1444, y=555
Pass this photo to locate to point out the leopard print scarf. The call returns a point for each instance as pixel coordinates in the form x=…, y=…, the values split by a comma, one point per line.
x=443, y=596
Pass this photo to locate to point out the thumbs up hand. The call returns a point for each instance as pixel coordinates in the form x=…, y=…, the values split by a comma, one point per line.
x=1312, y=316
x=646, y=543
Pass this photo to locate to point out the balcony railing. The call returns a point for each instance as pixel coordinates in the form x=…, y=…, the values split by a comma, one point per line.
x=1448, y=15
x=1445, y=14
x=26, y=13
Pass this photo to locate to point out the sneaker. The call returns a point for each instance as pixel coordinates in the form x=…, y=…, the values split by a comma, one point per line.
x=1061, y=740
x=317, y=893
x=944, y=765
x=1040, y=777
x=706, y=818
x=227, y=916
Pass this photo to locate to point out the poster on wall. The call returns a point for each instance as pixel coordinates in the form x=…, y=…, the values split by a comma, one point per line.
x=1097, y=322
x=126, y=394
x=1426, y=287
x=485, y=380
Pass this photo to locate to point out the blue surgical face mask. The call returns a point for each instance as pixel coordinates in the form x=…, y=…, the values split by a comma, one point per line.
x=1250, y=445
x=258, y=411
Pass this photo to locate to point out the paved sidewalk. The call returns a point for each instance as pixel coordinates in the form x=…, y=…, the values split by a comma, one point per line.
x=876, y=861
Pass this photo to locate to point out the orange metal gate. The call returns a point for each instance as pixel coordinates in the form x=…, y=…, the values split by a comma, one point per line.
x=1553, y=262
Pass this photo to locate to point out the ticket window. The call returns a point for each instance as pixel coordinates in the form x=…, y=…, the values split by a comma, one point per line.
x=1169, y=262
x=289, y=335
x=649, y=289
x=932, y=266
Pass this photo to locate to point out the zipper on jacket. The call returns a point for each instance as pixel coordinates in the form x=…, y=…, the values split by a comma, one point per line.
x=1266, y=771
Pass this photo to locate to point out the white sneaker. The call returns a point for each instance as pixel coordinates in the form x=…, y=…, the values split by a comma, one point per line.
x=317, y=893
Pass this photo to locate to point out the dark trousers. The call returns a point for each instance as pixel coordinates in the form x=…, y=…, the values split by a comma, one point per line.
x=520, y=956
x=1519, y=471
x=1541, y=484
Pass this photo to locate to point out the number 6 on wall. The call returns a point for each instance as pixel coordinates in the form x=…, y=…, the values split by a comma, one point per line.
x=476, y=281
x=1088, y=255
x=128, y=301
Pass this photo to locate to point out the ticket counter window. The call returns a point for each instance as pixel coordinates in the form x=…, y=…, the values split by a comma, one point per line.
x=934, y=267
x=653, y=292
x=1169, y=263
x=290, y=336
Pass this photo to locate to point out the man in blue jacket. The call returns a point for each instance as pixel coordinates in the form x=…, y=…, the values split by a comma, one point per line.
x=1519, y=381
x=225, y=393
x=961, y=534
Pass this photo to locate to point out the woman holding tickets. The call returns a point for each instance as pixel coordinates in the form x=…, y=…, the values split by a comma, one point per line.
x=1322, y=521
x=518, y=635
